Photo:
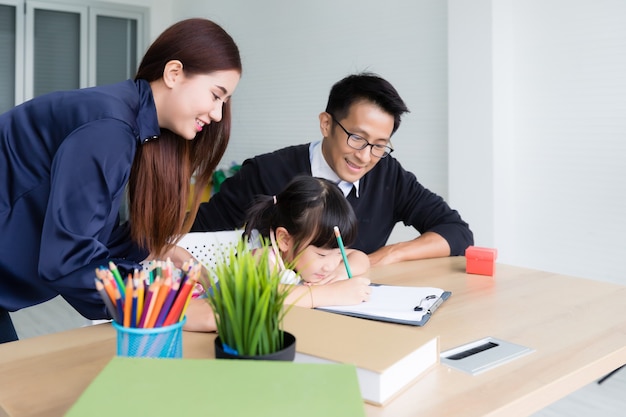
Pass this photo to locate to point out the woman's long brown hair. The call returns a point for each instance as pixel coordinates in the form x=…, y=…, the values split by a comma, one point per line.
x=159, y=186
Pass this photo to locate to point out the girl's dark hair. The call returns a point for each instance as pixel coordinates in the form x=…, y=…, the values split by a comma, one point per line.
x=365, y=86
x=308, y=208
x=160, y=178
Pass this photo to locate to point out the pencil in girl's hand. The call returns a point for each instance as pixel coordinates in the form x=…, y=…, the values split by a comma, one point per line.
x=343, y=251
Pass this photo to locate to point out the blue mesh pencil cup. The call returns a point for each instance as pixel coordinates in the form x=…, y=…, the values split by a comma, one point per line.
x=157, y=342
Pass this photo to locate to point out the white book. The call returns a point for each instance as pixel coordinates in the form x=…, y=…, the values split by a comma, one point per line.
x=388, y=357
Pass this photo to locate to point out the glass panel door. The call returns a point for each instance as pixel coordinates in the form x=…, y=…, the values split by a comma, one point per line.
x=56, y=51
x=56, y=48
x=116, y=49
x=8, y=53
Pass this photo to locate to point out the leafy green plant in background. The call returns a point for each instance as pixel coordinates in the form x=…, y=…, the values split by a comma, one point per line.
x=248, y=301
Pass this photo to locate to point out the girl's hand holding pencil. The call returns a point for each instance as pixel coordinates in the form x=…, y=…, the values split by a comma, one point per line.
x=155, y=299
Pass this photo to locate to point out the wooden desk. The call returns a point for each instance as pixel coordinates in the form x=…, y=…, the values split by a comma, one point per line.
x=577, y=326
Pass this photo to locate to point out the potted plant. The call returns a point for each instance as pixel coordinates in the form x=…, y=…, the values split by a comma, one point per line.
x=248, y=301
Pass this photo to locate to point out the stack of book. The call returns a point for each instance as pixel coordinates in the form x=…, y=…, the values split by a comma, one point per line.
x=388, y=357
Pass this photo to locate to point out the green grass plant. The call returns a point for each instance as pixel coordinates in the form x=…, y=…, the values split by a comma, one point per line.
x=248, y=300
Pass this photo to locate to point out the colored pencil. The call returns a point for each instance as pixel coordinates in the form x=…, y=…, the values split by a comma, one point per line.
x=163, y=291
x=174, y=314
x=195, y=276
x=148, y=304
x=108, y=287
x=120, y=306
x=139, y=303
x=107, y=300
x=139, y=292
x=187, y=301
x=118, y=278
x=167, y=304
x=128, y=301
x=343, y=251
x=157, y=271
x=133, y=310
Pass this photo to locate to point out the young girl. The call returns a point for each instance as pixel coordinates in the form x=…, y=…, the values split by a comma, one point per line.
x=67, y=159
x=299, y=222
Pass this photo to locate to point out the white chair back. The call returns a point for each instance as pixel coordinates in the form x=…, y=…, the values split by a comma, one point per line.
x=209, y=247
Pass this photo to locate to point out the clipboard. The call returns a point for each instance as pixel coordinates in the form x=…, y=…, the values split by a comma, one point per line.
x=412, y=306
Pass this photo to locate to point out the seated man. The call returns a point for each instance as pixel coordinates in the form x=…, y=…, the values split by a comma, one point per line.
x=362, y=114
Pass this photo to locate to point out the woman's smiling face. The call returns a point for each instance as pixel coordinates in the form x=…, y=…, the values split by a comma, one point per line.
x=197, y=100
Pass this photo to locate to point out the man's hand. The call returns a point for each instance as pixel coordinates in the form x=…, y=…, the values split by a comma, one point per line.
x=427, y=245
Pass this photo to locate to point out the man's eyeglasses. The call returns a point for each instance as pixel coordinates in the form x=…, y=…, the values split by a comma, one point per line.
x=358, y=143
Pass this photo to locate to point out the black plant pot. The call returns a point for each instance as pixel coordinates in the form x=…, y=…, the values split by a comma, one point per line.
x=287, y=353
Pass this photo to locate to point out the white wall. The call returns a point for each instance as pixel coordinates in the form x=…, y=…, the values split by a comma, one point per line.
x=554, y=111
x=294, y=51
x=571, y=100
x=523, y=132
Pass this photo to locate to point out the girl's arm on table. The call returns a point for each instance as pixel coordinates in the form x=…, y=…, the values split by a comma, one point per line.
x=343, y=292
x=200, y=317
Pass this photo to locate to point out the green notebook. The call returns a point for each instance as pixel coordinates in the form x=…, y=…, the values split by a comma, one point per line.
x=138, y=387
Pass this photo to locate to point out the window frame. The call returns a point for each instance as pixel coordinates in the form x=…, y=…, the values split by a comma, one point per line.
x=19, y=48
x=118, y=12
x=89, y=12
x=29, y=58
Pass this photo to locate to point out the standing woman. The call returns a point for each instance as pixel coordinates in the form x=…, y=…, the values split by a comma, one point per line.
x=67, y=159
